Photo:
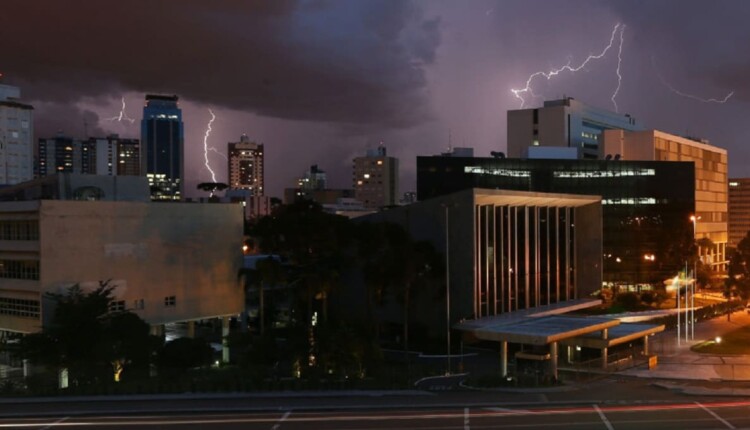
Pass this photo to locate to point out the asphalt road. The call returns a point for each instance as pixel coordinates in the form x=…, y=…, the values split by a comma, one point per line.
x=613, y=403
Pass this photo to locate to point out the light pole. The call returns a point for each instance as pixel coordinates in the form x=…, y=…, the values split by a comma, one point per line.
x=447, y=287
x=694, y=219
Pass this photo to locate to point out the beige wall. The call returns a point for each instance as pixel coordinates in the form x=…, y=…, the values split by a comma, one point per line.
x=150, y=250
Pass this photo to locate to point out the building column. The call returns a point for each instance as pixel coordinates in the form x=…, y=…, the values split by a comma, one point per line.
x=225, y=339
x=570, y=354
x=553, y=360
x=645, y=345
x=503, y=359
x=191, y=329
x=157, y=330
x=605, y=349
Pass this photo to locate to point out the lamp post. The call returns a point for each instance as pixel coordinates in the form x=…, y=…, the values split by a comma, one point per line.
x=447, y=288
x=694, y=219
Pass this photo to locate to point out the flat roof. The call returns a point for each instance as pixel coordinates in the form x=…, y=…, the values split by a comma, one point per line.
x=530, y=198
x=617, y=335
x=544, y=330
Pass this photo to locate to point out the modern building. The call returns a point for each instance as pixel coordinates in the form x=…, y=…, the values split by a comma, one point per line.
x=313, y=186
x=711, y=180
x=564, y=123
x=646, y=204
x=246, y=165
x=375, y=179
x=506, y=250
x=739, y=210
x=16, y=137
x=162, y=152
x=110, y=156
x=169, y=263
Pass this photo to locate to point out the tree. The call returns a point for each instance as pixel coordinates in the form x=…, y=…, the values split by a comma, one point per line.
x=87, y=339
x=185, y=353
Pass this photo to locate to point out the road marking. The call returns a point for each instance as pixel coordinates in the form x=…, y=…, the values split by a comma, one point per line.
x=466, y=419
x=281, y=420
x=603, y=417
x=55, y=423
x=715, y=415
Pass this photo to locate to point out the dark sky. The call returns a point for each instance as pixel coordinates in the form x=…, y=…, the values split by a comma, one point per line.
x=320, y=81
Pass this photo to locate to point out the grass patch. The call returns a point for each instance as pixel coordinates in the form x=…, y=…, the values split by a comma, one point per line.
x=734, y=342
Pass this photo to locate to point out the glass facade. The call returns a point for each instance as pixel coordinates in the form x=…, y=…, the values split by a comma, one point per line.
x=162, y=136
x=646, y=205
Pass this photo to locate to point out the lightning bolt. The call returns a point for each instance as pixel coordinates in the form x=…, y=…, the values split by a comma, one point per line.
x=690, y=96
x=122, y=116
x=205, y=145
x=619, y=63
x=567, y=67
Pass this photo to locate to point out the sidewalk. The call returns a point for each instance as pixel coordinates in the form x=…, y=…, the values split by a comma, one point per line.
x=677, y=361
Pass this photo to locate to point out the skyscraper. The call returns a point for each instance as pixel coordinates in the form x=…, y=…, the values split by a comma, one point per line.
x=246, y=165
x=375, y=179
x=16, y=137
x=162, y=137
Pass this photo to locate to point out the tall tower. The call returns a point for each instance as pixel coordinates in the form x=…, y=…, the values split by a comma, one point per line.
x=16, y=137
x=375, y=179
x=246, y=165
x=162, y=138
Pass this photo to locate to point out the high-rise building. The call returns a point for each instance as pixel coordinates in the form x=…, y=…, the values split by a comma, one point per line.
x=711, y=185
x=739, y=210
x=16, y=137
x=110, y=156
x=162, y=155
x=565, y=123
x=375, y=179
x=246, y=165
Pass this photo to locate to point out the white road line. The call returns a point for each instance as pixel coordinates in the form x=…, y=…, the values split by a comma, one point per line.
x=55, y=423
x=603, y=417
x=466, y=419
x=715, y=415
x=281, y=420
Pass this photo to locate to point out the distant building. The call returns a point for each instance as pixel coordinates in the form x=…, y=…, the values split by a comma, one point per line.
x=313, y=179
x=350, y=208
x=408, y=198
x=565, y=123
x=110, y=156
x=16, y=137
x=375, y=179
x=459, y=152
x=739, y=210
x=312, y=186
x=246, y=165
x=162, y=137
x=711, y=181
x=169, y=263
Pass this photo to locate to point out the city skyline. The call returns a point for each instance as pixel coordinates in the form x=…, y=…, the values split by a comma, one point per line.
x=432, y=70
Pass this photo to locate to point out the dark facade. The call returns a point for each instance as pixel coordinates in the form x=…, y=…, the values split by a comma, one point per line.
x=646, y=205
x=163, y=146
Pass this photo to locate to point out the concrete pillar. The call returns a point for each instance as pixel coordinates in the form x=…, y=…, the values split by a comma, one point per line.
x=191, y=329
x=605, y=334
x=26, y=368
x=553, y=360
x=570, y=354
x=157, y=330
x=225, y=339
x=645, y=345
x=503, y=359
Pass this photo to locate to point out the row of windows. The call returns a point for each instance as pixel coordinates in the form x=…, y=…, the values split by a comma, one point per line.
x=140, y=304
x=19, y=307
x=19, y=269
x=19, y=230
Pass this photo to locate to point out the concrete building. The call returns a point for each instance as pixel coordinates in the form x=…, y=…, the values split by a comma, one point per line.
x=739, y=210
x=162, y=153
x=246, y=165
x=375, y=179
x=564, y=123
x=313, y=186
x=507, y=250
x=711, y=181
x=170, y=263
x=16, y=137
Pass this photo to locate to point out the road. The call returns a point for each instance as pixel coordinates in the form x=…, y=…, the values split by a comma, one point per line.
x=608, y=404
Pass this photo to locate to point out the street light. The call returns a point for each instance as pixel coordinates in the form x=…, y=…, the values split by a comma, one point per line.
x=694, y=219
x=447, y=206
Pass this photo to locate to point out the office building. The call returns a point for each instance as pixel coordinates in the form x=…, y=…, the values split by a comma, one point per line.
x=313, y=186
x=162, y=151
x=246, y=165
x=169, y=263
x=16, y=137
x=711, y=180
x=110, y=156
x=565, y=123
x=646, y=204
x=375, y=179
x=739, y=210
